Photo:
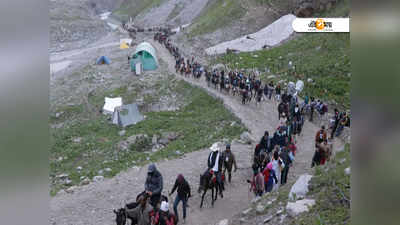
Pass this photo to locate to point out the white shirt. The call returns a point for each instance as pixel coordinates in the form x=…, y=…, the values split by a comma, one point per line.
x=215, y=168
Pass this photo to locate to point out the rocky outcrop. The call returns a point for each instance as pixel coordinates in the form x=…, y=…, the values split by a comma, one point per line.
x=295, y=208
x=300, y=188
x=306, y=8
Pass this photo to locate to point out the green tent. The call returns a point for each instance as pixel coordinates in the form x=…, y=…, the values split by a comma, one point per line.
x=146, y=55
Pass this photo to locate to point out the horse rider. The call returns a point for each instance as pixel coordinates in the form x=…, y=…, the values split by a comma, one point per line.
x=154, y=184
x=141, y=212
x=215, y=166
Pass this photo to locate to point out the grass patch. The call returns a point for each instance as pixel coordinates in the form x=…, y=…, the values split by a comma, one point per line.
x=201, y=122
x=132, y=8
x=325, y=58
x=330, y=188
x=216, y=15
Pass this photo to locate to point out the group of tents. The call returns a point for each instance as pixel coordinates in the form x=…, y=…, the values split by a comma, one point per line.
x=144, y=57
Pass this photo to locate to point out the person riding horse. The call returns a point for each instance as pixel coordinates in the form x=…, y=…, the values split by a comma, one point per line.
x=154, y=185
x=215, y=166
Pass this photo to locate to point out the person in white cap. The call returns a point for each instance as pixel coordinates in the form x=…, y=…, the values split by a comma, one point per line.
x=215, y=165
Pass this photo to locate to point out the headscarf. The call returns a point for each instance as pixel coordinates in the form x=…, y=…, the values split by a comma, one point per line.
x=269, y=165
x=180, y=178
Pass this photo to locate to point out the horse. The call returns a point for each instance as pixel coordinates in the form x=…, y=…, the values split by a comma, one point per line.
x=207, y=181
x=121, y=214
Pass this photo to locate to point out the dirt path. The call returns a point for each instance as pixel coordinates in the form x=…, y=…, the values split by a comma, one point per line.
x=93, y=203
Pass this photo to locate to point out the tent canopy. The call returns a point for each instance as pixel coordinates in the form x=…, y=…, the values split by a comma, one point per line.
x=110, y=104
x=126, y=40
x=123, y=45
x=127, y=115
x=103, y=60
x=145, y=54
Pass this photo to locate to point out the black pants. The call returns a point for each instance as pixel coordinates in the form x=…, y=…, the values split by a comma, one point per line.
x=154, y=199
x=316, y=158
x=311, y=114
x=334, y=130
x=284, y=174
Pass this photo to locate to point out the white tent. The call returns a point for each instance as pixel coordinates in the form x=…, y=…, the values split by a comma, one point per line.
x=110, y=104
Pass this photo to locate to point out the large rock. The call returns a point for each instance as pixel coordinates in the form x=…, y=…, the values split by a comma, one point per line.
x=246, y=138
x=98, y=178
x=171, y=136
x=260, y=208
x=223, y=222
x=347, y=171
x=300, y=188
x=295, y=208
x=131, y=140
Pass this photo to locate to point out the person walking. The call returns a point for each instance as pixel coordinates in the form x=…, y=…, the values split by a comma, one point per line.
x=183, y=194
x=257, y=183
x=269, y=177
x=277, y=165
x=287, y=162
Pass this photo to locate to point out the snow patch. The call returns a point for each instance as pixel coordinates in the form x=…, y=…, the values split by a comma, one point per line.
x=271, y=35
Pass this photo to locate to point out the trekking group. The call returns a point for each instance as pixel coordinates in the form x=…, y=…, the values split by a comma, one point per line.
x=273, y=155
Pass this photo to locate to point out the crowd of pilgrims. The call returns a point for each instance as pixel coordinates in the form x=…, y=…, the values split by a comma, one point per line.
x=275, y=154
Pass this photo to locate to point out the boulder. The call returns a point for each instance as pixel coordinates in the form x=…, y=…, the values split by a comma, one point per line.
x=122, y=133
x=269, y=218
x=171, y=136
x=300, y=188
x=347, y=171
x=295, y=208
x=98, y=178
x=71, y=189
x=163, y=141
x=246, y=138
x=260, y=208
x=77, y=140
x=62, y=176
x=124, y=145
x=247, y=211
x=86, y=181
x=223, y=222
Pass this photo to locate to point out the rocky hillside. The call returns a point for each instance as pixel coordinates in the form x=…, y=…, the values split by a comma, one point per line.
x=74, y=24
